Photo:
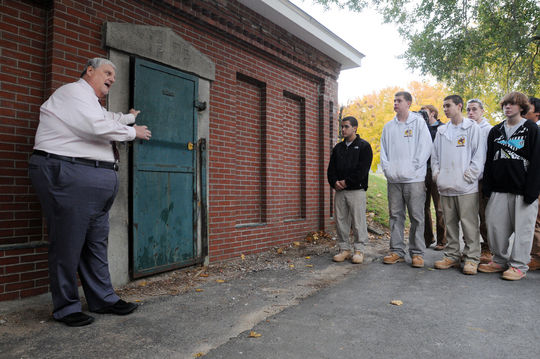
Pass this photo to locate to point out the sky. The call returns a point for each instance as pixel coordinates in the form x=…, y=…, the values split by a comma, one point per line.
x=380, y=43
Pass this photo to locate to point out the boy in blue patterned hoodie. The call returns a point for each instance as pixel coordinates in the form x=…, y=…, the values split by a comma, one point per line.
x=512, y=183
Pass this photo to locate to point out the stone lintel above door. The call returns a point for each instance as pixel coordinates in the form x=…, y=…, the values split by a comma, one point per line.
x=160, y=44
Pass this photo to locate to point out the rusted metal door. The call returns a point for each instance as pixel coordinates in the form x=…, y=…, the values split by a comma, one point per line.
x=164, y=173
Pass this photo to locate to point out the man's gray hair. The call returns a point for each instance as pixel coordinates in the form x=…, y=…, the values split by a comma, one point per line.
x=97, y=62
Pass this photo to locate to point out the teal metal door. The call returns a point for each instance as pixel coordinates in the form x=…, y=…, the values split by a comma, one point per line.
x=164, y=174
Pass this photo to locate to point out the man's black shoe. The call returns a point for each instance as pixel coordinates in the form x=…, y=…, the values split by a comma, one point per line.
x=121, y=308
x=78, y=319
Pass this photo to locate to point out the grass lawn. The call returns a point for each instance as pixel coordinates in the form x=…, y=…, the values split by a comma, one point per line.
x=377, y=200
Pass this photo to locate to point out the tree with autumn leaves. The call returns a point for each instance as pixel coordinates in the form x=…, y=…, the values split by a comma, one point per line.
x=483, y=48
x=480, y=48
x=374, y=110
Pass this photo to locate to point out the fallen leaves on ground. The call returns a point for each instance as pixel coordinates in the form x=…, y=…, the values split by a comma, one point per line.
x=198, y=355
x=396, y=302
x=315, y=236
x=254, y=334
x=199, y=290
x=220, y=281
x=185, y=280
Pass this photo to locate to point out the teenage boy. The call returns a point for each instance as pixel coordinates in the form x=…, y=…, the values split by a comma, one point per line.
x=456, y=162
x=512, y=183
x=348, y=173
x=534, y=110
x=405, y=148
x=432, y=192
x=475, y=111
x=534, y=264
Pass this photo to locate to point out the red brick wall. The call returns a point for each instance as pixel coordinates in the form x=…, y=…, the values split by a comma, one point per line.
x=245, y=182
x=293, y=184
x=21, y=82
x=23, y=258
x=45, y=44
x=23, y=272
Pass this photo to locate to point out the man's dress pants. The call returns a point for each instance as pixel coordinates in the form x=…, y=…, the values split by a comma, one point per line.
x=75, y=201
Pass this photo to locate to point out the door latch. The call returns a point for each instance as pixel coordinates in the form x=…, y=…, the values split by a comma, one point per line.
x=200, y=106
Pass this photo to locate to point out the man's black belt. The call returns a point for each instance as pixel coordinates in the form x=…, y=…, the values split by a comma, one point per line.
x=78, y=160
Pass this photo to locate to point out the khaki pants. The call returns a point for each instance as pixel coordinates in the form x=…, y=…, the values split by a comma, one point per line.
x=410, y=197
x=350, y=209
x=462, y=209
x=482, y=202
x=507, y=213
x=535, y=251
x=433, y=192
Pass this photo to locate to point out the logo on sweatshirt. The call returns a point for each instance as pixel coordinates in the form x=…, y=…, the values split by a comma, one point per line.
x=515, y=143
x=408, y=132
x=460, y=142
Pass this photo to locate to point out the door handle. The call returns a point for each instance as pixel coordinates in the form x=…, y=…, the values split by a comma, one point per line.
x=190, y=146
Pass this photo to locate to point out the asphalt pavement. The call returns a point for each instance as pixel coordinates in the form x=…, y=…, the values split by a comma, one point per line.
x=444, y=314
x=327, y=310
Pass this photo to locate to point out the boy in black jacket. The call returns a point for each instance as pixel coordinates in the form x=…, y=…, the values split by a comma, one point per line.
x=348, y=174
x=431, y=190
x=512, y=183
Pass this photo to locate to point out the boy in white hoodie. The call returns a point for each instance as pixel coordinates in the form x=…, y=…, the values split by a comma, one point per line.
x=475, y=111
x=405, y=148
x=457, y=161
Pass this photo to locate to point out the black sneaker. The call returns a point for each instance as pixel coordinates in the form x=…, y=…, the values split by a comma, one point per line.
x=120, y=308
x=78, y=319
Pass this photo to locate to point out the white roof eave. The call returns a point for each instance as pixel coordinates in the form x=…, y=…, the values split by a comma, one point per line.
x=296, y=21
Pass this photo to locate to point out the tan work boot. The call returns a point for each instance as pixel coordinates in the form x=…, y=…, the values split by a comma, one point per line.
x=512, y=274
x=358, y=257
x=491, y=267
x=341, y=256
x=446, y=263
x=470, y=268
x=486, y=257
x=417, y=261
x=393, y=258
x=534, y=264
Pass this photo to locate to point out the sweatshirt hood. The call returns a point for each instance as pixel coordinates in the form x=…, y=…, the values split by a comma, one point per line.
x=465, y=124
x=412, y=117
